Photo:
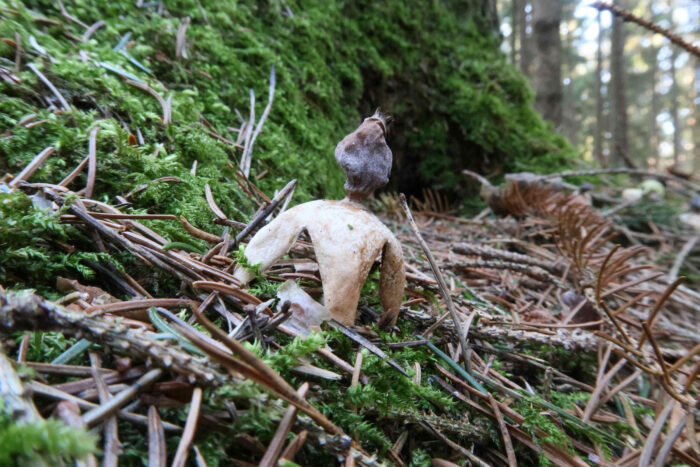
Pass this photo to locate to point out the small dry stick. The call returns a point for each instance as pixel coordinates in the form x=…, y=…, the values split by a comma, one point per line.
x=486, y=252
x=111, y=432
x=275, y=448
x=146, y=88
x=18, y=52
x=199, y=458
x=212, y=204
x=180, y=50
x=32, y=166
x=668, y=444
x=627, y=16
x=17, y=401
x=51, y=87
x=294, y=445
x=199, y=233
x=92, y=162
x=650, y=444
x=247, y=155
x=249, y=132
x=71, y=176
x=262, y=215
x=91, y=30
x=53, y=393
x=465, y=452
x=507, y=442
x=157, y=453
x=657, y=307
x=70, y=17
x=105, y=410
x=23, y=348
x=441, y=282
x=603, y=380
x=682, y=255
x=358, y=368
x=190, y=427
x=683, y=360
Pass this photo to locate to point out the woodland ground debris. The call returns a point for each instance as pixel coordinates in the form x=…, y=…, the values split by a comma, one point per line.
x=593, y=357
x=632, y=334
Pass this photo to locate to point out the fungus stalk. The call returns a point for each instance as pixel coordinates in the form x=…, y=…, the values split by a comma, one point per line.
x=347, y=238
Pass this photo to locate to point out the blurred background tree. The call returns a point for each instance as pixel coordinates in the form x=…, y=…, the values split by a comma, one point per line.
x=629, y=96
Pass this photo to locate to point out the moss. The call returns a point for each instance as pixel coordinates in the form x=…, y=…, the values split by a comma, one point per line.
x=456, y=99
x=43, y=442
x=35, y=249
x=434, y=65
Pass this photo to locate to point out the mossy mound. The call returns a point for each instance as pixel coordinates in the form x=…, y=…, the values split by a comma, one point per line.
x=436, y=66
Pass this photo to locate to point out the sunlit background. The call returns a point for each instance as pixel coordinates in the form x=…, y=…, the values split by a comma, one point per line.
x=653, y=82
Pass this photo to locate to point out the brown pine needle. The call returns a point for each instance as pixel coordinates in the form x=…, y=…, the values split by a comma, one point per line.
x=507, y=443
x=190, y=428
x=157, y=454
x=272, y=454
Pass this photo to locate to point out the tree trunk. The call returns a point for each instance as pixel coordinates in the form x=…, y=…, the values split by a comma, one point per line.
x=570, y=119
x=525, y=43
x=695, y=164
x=674, y=107
x=546, y=77
x=618, y=82
x=654, y=111
x=514, y=18
x=598, y=137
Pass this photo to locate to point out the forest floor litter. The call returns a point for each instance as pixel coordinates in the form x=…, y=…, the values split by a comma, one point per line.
x=582, y=339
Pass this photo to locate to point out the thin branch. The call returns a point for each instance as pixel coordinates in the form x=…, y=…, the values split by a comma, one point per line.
x=92, y=162
x=650, y=443
x=507, y=442
x=157, y=452
x=91, y=30
x=682, y=255
x=441, y=282
x=245, y=164
x=263, y=214
x=18, y=52
x=51, y=87
x=190, y=427
x=627, y=16
x=180, y=45
x=71, y=176
x=272, y=454
x=212, y=204
x=621, y=170
x=670, y=441
x=25, y=311
x=105, y=410
x=248, y=152
x=32, y=167
x=112, y=447
x=16, y=400
x=146, y=88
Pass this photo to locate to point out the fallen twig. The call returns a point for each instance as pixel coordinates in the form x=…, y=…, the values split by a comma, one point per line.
x=32, y=166
x=51, y=87
x=441, y=282
x=246, y=158
x=190, y=427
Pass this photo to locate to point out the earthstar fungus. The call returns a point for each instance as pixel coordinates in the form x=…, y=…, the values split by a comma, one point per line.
x=347, y=238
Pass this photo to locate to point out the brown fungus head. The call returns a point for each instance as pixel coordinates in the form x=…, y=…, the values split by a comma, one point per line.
x=365, y=157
